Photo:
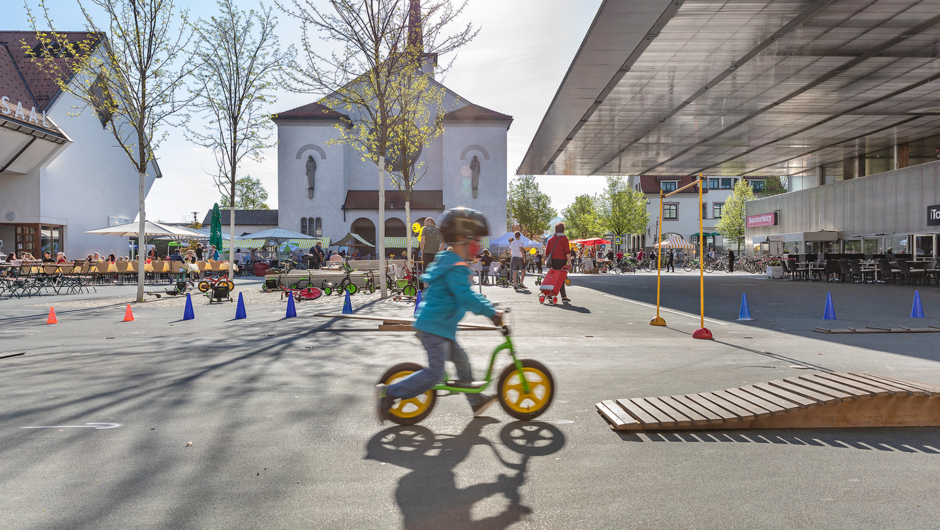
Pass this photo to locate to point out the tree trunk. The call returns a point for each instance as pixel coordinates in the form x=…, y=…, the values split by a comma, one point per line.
x=231, y=229
x=380, y=229
x=408, y=234
x=141, y=237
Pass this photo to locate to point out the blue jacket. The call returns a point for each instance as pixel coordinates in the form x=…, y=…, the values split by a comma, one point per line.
x=448, y=296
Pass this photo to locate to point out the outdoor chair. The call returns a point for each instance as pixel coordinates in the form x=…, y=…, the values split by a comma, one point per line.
x=857, y=272
x=846, y=271
x=132, y=269
x=906, y=272
x=160, y=271
x=933, y=272
x=886, y=272
x=121, y=267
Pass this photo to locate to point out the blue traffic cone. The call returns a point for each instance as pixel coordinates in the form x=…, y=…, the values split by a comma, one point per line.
x=347, y=305
x=291, y=310
x=188, y=313
x=417, y=304
x=240, y=310
x=745, y=312
x=830, y=313
x=918, y=310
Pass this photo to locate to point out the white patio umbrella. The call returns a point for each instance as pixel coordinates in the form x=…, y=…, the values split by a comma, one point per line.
x=150, y=229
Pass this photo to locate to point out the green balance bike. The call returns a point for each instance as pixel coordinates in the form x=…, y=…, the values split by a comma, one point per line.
x=525, y=388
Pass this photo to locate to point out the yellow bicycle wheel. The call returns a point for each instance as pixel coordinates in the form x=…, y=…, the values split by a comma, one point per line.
x=515, y=400
x=231, y=285
x=205, y=286
x=409, y=411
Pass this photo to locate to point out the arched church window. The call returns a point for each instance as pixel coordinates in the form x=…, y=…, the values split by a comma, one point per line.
x=318, y=228
x=303, y=226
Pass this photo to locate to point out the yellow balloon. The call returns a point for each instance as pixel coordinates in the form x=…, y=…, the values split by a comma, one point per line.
x=532, y=251
x=416, y=228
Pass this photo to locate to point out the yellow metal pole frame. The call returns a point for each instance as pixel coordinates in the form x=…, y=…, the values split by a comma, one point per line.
x=659, y=321
x=702, y=332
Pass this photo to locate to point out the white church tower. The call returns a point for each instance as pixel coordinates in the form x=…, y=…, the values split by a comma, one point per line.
x=328, y=190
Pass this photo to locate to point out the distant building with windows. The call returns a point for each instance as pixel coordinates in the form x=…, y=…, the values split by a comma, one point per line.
x=60, y=175
x=680, y=211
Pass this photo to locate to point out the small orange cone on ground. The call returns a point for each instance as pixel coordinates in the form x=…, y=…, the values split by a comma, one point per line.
x=128, y=315
x=52, y=319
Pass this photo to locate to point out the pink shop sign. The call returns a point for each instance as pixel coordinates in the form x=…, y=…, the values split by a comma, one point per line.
x=764, y=219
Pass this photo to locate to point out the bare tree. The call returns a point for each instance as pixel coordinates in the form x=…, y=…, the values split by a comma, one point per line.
x=239, y=58
x=363, y=77
x=130, y=71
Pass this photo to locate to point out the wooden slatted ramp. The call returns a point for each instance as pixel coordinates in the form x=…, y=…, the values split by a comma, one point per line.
x=807, y=401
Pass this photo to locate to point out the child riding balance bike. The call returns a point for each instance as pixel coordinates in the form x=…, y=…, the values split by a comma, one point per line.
x=406, y=393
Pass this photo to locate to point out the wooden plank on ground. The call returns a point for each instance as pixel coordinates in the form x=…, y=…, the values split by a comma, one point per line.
x=859, y=393
x=638, y=413
x=695, y=416
x=364, y=317
x=757, y=410
x=855, y=384
x=704, y=412
x=734, y=408
x=803, y=391
x=664, y=419
x=615, y=415
x=773, y=408
x=838, y=394
x=926, y=387
x=802, y=401
x=773, y=398
x=912, y=390
x=722, y=413
x=681, y=419
x=894, y=390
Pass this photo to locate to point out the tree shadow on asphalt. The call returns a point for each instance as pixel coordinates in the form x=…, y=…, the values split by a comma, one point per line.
x=429, y=497
x=906, y=440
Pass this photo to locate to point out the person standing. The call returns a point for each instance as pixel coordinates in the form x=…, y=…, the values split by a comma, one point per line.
x=485, y=261
x=670, y=262
x=557, y=251
x=730, y=260
x=431, y=242
x=517, y=261
x=538, y=261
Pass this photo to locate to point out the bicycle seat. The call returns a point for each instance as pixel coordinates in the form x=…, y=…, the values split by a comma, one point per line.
x=466, y=384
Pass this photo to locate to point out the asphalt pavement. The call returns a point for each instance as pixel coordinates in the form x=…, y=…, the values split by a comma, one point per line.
x=268, y=422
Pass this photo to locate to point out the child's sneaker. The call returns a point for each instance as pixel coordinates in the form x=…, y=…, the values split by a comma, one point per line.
x=383, y=404
x=483, y=405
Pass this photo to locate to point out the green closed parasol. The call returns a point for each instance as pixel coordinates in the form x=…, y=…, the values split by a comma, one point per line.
x=215, y=229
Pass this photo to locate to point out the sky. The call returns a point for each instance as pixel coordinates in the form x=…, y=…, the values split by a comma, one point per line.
x=514, y=66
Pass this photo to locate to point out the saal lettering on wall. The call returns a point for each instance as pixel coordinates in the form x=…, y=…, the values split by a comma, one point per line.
x=19, y=113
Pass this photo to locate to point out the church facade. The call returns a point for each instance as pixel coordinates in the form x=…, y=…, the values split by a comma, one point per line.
x=326, y=189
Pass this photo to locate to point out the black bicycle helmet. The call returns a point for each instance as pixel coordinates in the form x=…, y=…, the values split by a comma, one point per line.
x=462, y=222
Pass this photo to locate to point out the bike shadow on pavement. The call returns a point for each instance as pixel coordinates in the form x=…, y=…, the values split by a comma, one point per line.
x=429, y=497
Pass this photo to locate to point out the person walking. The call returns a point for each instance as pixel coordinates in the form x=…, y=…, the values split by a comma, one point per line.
x=517, y=261
x=670, y=261
x=538, y=261
x=557, y=251
x=485, y=260
x=730, y=260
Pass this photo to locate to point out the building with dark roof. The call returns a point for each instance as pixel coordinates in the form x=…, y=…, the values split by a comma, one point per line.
x=246, y=221
x=60, y=175
x=328, y=189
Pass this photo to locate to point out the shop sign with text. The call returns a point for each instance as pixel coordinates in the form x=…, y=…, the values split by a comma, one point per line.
x=764, y=219
x=933, y=215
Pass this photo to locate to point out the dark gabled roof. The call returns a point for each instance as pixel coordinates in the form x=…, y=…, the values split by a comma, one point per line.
x=473, y=112
x=394, y=200
x=650, y=183
x=310, y=111
x=245, y=217
x=26, y=81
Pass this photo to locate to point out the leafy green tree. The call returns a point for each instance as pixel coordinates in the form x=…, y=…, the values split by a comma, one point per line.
x=529, y=206
x=581, y=220
x=129, y=70
x=249, y=195
x=731, y=225
x=622, y=209
x=773, y=186
x=239, y=57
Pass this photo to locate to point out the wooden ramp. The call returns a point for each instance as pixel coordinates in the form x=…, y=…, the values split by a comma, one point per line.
x=807, y=401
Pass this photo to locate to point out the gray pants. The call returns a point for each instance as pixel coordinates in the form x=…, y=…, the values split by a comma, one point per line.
x=439, y=350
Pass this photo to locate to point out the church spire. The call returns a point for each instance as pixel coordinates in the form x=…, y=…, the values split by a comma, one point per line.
x=415, y=31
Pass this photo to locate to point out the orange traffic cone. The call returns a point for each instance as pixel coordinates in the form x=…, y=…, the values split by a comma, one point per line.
x=52, y=319
x=128, y=315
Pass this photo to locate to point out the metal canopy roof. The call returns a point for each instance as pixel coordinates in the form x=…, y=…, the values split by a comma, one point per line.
x=742, y=87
